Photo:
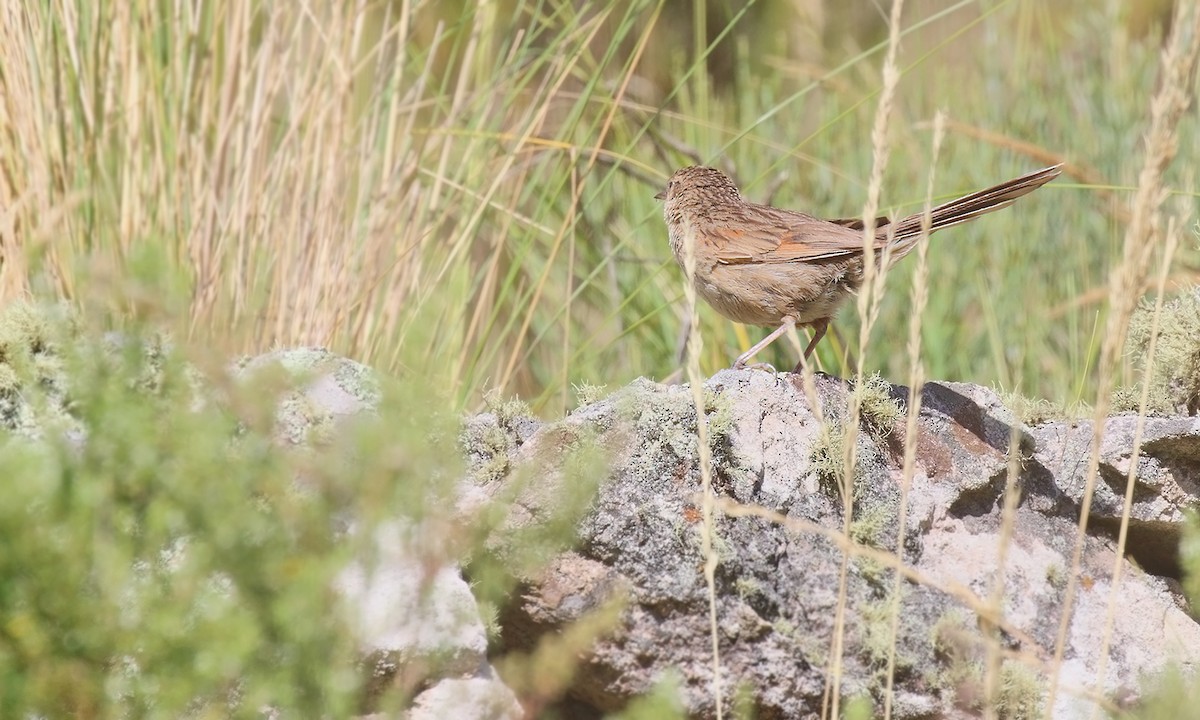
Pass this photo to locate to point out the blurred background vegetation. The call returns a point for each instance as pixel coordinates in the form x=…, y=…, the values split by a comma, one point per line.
x=326, y=173
x=460, y=195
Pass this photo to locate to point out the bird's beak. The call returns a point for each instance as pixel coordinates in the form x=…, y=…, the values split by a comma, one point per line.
x=661, y=196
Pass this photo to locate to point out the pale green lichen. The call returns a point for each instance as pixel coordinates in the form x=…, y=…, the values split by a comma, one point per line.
x=1056, y=576
x=665, y=420
x=828, y=458
x=876, y=641
x=949, y=633
x=506, y=410
x=32, y=370
x=490, y=439
x=878, y=410
x=1020, y=693
x=719, y=411
x=488, y=446
x=587, y=393
x=953, y=644
x=879, y=413
x=868, y=528
x=811, y=646
x=1034, y=411
x=747, y=587
x=1175, y=379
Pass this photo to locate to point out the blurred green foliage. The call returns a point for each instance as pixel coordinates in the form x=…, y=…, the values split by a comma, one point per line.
x=165, y=556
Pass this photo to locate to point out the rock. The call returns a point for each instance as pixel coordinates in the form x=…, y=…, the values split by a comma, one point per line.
x=477, y=698
x=413, y=620
x=778, y=588
x=334, y=389
x=1167, y=481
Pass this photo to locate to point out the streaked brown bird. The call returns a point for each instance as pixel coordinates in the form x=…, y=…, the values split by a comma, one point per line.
x=761, y=265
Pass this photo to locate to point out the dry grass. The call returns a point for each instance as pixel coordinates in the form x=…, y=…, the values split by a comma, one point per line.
x=462, y=196
x=916, y=380
x=708, y=521
x=410, y=181
x=875, y=270
x=330, y=174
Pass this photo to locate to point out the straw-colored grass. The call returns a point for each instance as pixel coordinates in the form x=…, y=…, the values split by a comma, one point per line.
x=328, y=173
x=460, y=194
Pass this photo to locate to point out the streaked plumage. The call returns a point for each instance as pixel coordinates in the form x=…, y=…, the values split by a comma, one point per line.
x=766, y=266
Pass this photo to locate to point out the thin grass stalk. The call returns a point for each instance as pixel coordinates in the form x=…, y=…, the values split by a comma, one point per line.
x=868, y=302
x=16, y=97
x=1008, y=515
x=460, y=243
x=565, y=375
x=708, y=530
x=476, y=331
x=916, y=382
x=456, y=107
x=402, y=273
x=1119, y=561
x=594, y=153
x=1179, y=61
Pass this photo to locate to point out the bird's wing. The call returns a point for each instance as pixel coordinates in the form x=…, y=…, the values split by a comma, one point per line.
x=856, y=223
x=784, y=237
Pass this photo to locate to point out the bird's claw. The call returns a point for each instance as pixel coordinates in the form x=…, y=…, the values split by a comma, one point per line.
x=766, y=367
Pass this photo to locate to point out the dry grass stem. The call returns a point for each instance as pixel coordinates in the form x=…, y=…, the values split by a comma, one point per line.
x=916, y=380
x=1177, y=81
x=868, y=306
x=695, y=345
x=1119, y=561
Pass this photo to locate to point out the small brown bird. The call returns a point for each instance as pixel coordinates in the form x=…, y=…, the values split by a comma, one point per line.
x=760, y=265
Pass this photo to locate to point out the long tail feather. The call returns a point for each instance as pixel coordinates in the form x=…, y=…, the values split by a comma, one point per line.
x=905, y=232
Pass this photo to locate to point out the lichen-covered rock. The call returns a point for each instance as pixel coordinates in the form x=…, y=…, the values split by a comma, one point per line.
x=476, y=698
x=412, y=619
x=1166, y=479
x=324, y=389
x=33, y=382
x=779, y=588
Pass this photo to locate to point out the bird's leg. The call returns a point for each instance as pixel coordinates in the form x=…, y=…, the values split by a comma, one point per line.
x=819, y=327
x=787, y=323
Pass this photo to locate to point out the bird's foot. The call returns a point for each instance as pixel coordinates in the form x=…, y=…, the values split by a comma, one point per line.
x=766, y=367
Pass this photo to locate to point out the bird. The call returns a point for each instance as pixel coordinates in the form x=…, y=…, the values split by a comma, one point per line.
x=779, y=269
